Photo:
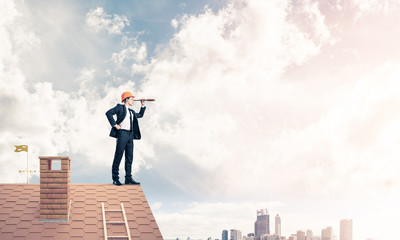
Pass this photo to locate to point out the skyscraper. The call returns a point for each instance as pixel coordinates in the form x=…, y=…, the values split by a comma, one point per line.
x=224, y=234
x=261, y=226
x=327, y=233
x=301, y=235
x=346, y=229
x=309, y=235
x=277, y=225
x=236, y=234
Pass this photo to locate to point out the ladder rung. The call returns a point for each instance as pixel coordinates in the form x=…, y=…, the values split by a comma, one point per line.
x=113, y=210
x=115, y=222
x=117, y=237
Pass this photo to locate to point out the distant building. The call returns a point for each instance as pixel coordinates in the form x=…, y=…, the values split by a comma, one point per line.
x=293, y=237
x=250, y=236
x=261, y=226
x=270, y=237
x=309, y=235
x=236, y=234
x=346, y=229
x=277, y=225
x=301, y=235
x=224, y=234
x=327, y=233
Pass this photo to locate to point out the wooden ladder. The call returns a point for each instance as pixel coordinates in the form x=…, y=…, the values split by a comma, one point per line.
x=105, y=222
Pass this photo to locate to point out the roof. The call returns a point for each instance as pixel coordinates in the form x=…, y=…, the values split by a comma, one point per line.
x=20, y=212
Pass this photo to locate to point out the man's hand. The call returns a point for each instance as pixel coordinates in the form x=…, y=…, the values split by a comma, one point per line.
x=142, y=102
x=118, y=127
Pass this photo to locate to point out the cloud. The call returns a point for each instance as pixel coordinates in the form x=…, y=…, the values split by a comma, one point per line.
x=137, y=53
x=370, y=6
x=221, y=96
x=227, y=107
x=97, y=20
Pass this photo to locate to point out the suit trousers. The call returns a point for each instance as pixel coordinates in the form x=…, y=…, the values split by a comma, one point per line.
x=124, y=144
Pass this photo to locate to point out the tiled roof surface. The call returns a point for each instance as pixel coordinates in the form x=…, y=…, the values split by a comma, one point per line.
x=20, y=211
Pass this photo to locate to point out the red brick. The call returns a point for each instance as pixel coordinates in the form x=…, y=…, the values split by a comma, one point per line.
x=46, y=211
x=63, y=195
x=53, y=206
x=53, y=185
x=60, y=200
x=43, y=167
x=57, y=174
x=53, y=195
x=53, y=216
x=61, y=211
x=60, y=175
x=46, y=180
x=42, y=191
x=64, y=191
x=44, y=201
x=54, y=191
x=60, y=180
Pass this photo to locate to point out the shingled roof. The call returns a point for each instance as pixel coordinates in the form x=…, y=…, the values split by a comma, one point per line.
x=21, y=204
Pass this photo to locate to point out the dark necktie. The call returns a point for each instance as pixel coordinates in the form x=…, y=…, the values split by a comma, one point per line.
x=130, y=115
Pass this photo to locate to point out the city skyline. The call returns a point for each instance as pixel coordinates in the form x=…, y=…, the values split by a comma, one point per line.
x=262, y=224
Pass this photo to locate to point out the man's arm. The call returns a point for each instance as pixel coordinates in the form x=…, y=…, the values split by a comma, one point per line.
x=142, y=109
x=110, y=113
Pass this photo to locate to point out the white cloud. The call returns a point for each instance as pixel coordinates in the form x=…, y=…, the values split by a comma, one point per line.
x=174, y=23
x=136, y=53
x=220, y=81
x=370, y=6
x=97, y=20
x=156, y=206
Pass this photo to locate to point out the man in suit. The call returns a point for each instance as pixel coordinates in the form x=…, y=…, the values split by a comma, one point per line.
x=125, y=129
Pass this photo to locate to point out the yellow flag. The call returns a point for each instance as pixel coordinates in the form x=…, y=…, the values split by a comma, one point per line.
x=21, y=148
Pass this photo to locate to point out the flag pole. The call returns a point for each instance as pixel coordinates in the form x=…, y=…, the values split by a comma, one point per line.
x=24, y=148
x=27, y=178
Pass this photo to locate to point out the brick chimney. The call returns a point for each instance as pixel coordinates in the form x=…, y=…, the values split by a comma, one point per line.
x=54, y=189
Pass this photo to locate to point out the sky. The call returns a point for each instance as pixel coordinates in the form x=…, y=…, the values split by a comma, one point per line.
x=286, y=105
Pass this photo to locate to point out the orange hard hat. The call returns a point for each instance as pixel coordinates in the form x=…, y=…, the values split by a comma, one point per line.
x=126, y=95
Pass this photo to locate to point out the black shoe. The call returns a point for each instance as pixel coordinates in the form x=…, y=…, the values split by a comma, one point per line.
x=117, y=182
x=131, y=181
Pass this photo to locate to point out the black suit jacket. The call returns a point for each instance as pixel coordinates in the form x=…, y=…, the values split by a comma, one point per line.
x=120, y=111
